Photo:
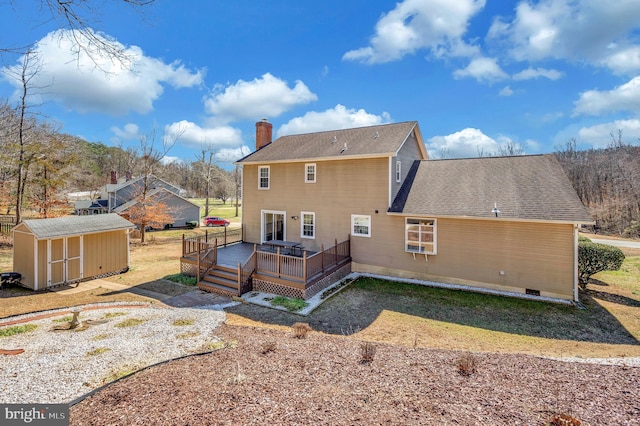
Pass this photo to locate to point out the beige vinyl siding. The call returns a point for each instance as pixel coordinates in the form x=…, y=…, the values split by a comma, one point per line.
x=24, y=262
x=536, y=256
x=105, y=252
x=342, y=188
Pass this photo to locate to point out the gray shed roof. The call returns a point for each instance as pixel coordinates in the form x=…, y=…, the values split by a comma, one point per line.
x=372, y=141
x=76, y=225
x=532, y=187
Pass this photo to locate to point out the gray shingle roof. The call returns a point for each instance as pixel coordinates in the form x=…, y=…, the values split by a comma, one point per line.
x=76, y=225
x=371, y=141
x=524, y=187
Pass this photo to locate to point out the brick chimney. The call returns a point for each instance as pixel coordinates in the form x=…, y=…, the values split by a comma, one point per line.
x=263, y=133
x=114, y=177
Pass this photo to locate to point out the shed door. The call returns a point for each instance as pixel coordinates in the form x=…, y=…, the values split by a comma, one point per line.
x=74, y=248
x=56, y=262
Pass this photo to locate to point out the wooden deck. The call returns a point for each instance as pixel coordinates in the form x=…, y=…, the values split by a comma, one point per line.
x=241, y=267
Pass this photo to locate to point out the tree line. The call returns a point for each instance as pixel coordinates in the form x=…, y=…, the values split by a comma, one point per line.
x=608, y=183
x=40, y=165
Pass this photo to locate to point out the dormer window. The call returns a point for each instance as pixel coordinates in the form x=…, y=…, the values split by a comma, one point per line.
x=263, y=177
x=310, y=173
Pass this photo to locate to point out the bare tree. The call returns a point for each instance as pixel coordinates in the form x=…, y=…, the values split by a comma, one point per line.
x=80, y=18
x=205, y=169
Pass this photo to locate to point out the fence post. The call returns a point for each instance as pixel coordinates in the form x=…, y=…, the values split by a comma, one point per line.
x=225, y=236
x=198, y=263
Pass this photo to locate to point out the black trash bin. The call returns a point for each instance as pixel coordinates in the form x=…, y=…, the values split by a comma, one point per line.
x=10, y=278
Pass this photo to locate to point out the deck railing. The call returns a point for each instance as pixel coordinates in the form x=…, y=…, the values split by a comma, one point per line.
x=193, y=244
x=302, y=269
x=245, y=271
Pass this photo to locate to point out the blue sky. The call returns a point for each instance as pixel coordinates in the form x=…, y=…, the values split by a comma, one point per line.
x=475, y=74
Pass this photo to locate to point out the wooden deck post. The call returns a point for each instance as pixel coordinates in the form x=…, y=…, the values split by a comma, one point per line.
x=206, y=235
x=183, y=248
x=304, y=267
x=322, y=256
x=335, y=252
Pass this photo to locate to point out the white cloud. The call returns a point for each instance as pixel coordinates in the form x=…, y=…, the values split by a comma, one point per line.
x=229, y=155
x=505, y=91
x=599, y=136
x=264, y=97
x=482, y=69
x=97, y=83
x=531, y=73
x=171, y=160
x=581, y=30
x=130, y=131
x=415, y=25
x=192, y=135
x=623, y=98
x=624, y=61
x=338, y=117
x=466, y=143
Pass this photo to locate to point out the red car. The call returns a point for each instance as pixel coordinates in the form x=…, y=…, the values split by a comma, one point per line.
x=215, y=221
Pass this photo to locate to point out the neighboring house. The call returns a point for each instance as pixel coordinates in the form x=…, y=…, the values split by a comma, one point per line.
x=121, y=194
x=50, y=252
x=506, y=223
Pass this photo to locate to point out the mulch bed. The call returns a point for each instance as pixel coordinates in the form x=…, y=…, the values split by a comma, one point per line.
x=268, y=376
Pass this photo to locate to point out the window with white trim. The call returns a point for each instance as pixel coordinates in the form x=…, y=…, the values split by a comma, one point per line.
x=308, y=225
x=420, y=235
x=310, y=173
x=263, y=177
x=360, y=225
x=398, y=171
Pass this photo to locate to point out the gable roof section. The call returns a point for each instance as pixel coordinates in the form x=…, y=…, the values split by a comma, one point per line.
x=532, y=187
x=362, y=142
x=152, y=178
x=76, y=225
x=165, y=193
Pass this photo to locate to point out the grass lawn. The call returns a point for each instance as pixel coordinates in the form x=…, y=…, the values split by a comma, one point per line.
x=217, y=208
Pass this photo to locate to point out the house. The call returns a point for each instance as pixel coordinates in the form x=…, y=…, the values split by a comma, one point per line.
x=51, y=252
x=121, y=194
x=507, y=224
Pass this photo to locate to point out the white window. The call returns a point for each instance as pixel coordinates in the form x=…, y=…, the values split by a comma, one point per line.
x=420, y=235
x=398, y=171
x=310, y=173
x=360, y=225
x=308, y=225
x=263, y=177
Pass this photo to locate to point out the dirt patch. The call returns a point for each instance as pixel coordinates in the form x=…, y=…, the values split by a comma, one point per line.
x=269, y=377
x=166, y=287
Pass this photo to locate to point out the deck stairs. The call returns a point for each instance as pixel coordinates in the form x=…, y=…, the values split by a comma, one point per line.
x=221, y=280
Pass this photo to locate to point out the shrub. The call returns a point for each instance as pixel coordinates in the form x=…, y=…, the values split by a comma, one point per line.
x=268, y=347
x=181, y=279
x=367, y=352
x=583, y=239
x=564, y=420
x=594, y=258
x=467, y=365
x=300, y=330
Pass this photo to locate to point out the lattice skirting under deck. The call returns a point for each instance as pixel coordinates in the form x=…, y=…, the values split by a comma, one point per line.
x=283, y=290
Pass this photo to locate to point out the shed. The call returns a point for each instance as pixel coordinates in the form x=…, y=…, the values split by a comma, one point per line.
x=50, y=252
